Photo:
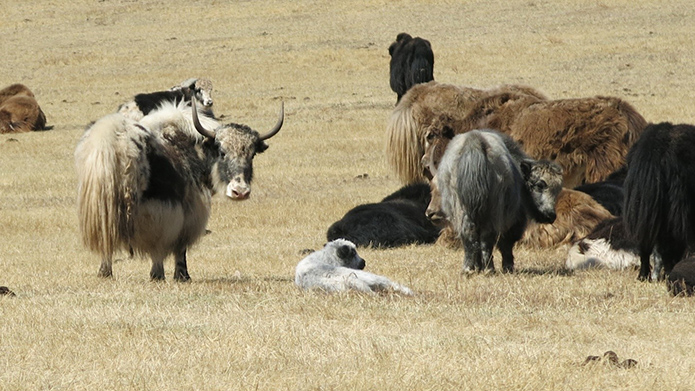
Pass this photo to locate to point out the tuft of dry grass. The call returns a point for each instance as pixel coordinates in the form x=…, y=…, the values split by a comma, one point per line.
x=241, y=323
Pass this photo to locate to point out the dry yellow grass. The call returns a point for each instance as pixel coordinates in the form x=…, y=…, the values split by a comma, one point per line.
x=241, y=323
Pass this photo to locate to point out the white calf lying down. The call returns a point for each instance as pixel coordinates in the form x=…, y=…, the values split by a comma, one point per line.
x=337, y=267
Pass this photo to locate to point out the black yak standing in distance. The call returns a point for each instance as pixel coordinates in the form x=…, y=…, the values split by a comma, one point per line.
x=659, y=208
x=412, y=62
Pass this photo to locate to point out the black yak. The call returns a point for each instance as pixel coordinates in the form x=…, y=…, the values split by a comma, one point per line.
x=398, y=220
x=412, y=62
x=659, y=208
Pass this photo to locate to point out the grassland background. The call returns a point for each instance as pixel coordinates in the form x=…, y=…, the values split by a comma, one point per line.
x=241, y=323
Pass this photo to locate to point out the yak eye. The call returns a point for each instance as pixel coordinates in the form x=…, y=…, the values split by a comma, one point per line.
x=542, y=185
x=429, y=136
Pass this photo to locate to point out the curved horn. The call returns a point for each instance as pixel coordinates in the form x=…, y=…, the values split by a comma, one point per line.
x=278, y=125
x=197, y=124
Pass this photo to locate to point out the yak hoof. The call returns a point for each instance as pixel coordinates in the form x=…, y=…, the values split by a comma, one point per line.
x=105, y=273
x=182, y=278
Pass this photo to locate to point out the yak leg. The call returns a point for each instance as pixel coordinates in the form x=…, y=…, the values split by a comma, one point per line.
x=645, y=267
x=487, y=244
x=157, y=271
x=105, y=268
x=181, y=271
x=671, y=252
x=506, y=244
x=471, y=245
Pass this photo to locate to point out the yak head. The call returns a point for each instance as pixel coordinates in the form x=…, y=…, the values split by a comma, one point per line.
x=236, y=146
x=543, y=179
x=343, y=253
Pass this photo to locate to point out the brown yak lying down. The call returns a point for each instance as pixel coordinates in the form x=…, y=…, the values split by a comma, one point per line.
x=577, y=214
x=19, y=110
x=588, y=137
x=418, y=108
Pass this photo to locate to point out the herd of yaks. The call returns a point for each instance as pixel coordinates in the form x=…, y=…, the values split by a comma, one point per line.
x=481, y=168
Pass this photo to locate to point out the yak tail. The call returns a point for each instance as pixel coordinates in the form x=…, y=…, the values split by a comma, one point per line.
x=109, y=160
x=405, y=144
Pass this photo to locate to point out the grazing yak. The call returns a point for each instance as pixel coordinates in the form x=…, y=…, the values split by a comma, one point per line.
x=608, y=246
x=588, y=137
x=147, y=185
x=659, y=209
x=143, y=104
x=398, y=220
x=488, y=192
x=19, y=110
x=337, y=267
x=412, y=62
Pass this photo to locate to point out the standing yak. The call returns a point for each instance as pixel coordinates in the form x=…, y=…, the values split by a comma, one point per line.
x=412, y=62
x=659, y=209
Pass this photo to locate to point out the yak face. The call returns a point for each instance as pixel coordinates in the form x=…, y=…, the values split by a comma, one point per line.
x=434, y=210
x=344, y=253
x=543, y=180
x=236, y=147
x=203, y=92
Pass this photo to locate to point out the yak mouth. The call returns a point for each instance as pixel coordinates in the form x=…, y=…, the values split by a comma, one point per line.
x=437, y=218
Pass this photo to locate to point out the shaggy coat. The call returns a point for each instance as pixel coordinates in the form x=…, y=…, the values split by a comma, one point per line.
x=337, y=267
x=488, y=194
x=19, y=110
x=588, y=137
x=398, y=220
x=659, y=209
x=412, y=62
x=681, y=280
x=146, y=186
x=577, y=214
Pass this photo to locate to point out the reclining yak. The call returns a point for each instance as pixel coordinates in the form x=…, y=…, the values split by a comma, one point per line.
x=19, y=110
x=147, y=185
x=488, y=189
x=588, y=137
x=142, y=104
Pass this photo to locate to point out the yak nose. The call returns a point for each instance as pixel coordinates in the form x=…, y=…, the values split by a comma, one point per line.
x=361, y=264
x=238, y=192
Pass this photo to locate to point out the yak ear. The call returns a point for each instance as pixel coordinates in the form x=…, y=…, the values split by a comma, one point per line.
x=526, y=166
x=344, y=252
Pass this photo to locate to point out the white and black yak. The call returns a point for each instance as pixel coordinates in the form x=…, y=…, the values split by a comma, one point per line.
x=337, y=267
x=412, y=62
x=488, y=190
x=147, y=185
x=398, y=220
x=659, y=209
x=143, y=103
x=608, y=246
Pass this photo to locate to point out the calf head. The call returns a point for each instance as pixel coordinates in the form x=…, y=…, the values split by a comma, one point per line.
x=436, y=141
x=201, y=89
x=344, y=253
x=236, y=146
x=543, y=179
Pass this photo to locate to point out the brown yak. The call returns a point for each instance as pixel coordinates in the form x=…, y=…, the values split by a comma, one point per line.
x=588, y=137
x=19, y=110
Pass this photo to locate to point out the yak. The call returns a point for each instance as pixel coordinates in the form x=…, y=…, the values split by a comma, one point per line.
x=412, y=62
x=147, y=185
x=588, y=137
x=399, y=219
x=142, y=104
x=609, y=246
x=659, y=209
x=19, y=110
x=337, y=267
x=488, y=192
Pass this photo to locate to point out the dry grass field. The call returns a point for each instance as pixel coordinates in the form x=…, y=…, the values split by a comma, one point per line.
x=241, y=323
